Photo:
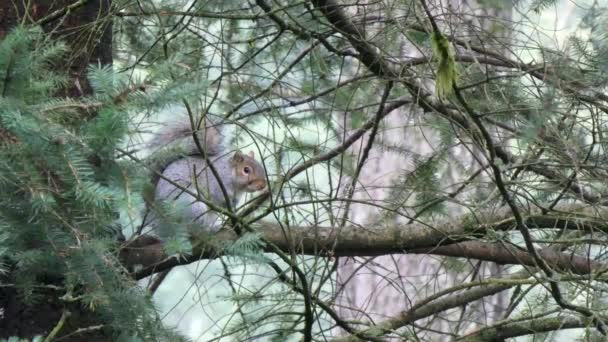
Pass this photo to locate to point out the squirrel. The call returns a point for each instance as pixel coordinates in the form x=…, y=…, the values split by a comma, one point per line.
x=181, y=165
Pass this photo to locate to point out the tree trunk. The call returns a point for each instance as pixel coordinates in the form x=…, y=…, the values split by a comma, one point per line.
x=87, y=29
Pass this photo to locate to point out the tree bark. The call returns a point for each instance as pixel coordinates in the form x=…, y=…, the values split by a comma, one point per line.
x=85, y=25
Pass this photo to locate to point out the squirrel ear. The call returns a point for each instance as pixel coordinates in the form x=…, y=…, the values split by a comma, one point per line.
x=238, y=156
x=251, y=154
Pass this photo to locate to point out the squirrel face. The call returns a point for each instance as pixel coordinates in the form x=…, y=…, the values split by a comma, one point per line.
x=250, y=175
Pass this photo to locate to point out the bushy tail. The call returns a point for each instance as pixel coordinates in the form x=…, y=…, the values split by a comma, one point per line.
x=177, y=134
x=175, y=140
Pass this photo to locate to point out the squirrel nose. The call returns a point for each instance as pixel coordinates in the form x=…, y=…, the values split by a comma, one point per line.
x=256, y=186
x=261, y=186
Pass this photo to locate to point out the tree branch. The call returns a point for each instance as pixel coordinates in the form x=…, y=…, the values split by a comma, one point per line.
x=376, y=63
x=505, y=255
x=436, y=304
x=444, y=238
x=502, y=331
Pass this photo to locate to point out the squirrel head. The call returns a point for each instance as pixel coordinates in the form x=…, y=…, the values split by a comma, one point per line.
x=249, y=173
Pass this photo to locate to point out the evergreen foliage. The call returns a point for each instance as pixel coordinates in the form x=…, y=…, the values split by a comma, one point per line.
x=63, y=187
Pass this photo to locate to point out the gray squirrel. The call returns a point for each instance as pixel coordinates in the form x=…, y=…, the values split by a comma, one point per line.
x=181, y=165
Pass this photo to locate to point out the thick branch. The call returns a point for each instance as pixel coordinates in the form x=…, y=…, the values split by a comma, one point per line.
x=444, y=238
x=534, y=326
x=506, y=254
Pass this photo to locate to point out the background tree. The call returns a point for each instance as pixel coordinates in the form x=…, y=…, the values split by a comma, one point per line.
x=330, y=94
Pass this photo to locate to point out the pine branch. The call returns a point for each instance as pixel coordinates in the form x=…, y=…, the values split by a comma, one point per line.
x=436, y=304
x=444, y=238
x=56, y=14
x=57, y=327
x=509, y=255
x=377, y=64
x=504, y=330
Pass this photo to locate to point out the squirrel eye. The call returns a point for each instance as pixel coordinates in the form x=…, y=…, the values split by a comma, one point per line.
x=246, y=170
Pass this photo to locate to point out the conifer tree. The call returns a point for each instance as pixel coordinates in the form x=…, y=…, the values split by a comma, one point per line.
x=59, y=267
x=515, y=131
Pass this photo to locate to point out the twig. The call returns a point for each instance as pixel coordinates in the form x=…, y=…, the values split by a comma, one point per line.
x=82, y=331
x=57, y=327
x=158, y=280
x=61, y=12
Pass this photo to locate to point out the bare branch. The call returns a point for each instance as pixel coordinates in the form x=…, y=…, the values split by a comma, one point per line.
x=394, y=239
x=504, y=330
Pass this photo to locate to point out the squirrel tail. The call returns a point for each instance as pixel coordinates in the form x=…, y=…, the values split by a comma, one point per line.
x=179, y=132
